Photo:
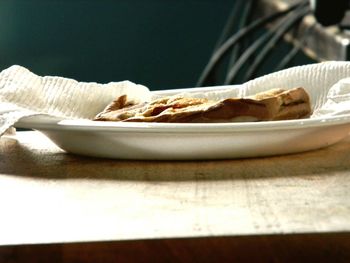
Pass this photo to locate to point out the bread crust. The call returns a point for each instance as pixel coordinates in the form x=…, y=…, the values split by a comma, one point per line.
x=275, y=104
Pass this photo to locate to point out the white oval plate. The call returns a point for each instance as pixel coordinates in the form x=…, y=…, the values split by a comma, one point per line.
x=171, y=141
x=163, y=141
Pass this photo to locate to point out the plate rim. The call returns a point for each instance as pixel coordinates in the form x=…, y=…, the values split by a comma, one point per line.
x=46, y=122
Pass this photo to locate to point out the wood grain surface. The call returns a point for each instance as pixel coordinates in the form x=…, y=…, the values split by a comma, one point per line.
x=49, y=196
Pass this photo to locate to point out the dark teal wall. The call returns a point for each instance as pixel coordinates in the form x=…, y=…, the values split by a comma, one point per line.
x=159, y=43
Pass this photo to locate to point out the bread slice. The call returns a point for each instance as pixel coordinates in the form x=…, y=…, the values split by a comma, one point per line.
x=275, y=104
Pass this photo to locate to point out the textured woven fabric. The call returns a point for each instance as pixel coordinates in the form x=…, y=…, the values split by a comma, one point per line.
x=23, y=93
x=327, y=83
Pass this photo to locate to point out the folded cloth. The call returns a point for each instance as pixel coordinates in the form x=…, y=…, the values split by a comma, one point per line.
x=23, y=93
x=337, y=100
x=327, y=83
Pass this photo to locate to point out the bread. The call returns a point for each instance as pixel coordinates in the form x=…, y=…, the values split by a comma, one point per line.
x=275, y=104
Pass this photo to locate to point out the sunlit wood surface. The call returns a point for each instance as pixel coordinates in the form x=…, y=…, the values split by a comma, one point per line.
x=67, y=204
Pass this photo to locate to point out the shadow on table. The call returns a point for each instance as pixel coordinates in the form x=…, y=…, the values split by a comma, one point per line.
x=19, y=160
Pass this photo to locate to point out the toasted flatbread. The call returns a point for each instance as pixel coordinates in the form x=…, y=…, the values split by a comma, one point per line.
x=275, y=104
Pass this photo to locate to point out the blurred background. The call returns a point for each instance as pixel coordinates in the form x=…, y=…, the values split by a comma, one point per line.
x=167, y=44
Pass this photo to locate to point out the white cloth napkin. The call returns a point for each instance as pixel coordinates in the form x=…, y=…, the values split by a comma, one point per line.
x=327, y=83
x=23, y=93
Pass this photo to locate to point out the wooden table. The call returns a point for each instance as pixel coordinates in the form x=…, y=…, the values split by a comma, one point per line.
x=55, y=205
